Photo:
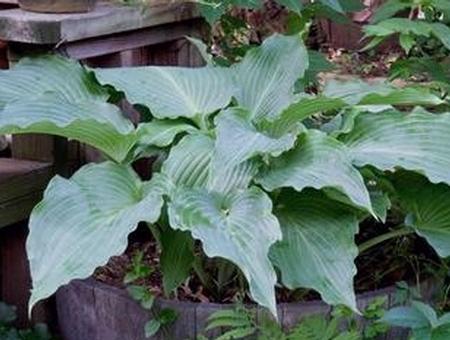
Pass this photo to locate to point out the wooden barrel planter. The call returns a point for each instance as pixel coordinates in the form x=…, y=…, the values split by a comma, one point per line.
x=57, y=6
x=92, y=310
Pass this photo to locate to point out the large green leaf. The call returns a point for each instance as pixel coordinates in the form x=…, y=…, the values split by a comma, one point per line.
x=51, y=73
x=239, y=228
x=398, y=25
x=190, y=164
x=333, y=4
x=83, y=221
x=442, y=32
x=376, y=96
x=266, y=76
x=428, y=208
x=292, y=5
x=238, y=139
x=54, y=95
x=96, y=123
x=162, y=132
x=301, y=109
x=177, y=257
x=358, y=92
x=418, y=141
x=389, y=9
x=171, y=92
x=318, y=248
x=319, y=161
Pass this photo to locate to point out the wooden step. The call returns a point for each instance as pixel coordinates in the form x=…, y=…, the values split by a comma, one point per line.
x=21, y=186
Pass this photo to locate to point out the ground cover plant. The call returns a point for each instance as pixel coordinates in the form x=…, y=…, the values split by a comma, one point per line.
x=422, y=30
x=249, y=170
x=9, y=332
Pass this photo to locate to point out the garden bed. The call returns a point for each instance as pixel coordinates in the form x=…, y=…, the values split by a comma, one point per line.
x=93, y=310
x=101, y=308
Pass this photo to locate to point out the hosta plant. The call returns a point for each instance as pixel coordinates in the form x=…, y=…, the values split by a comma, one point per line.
x=249, y=170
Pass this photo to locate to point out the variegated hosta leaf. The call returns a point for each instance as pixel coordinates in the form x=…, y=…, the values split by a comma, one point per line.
x=318, y=161
x=418, y=141
x=190, y=164
x=239, y=228
x=162, y=132
x=428, y=206
x=238, y=139
x=266, y=76
x=34, y=76
x=171, y=92
x=83, y=221
x=96, y=123
x=318, y=248
x=358, y=92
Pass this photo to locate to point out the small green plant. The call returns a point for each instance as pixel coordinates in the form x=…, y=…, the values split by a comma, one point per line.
x=8, y=332
x=422, y=319
x=138, y=271
x=372, y=313
x=424, y=35
x=241, y=323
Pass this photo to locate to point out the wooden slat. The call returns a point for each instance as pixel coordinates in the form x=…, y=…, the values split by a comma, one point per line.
x=124, y=41
x=107, y=18
x=21, y=187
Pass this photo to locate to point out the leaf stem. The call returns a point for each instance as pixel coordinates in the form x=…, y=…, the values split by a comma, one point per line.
x=404, y=230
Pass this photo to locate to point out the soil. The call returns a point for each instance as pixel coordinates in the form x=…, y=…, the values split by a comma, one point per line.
x=364, y=65
x=407, y=259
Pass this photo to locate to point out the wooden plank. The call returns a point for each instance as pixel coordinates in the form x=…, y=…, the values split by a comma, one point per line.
x=41, y=28
x=293, y=313
x=33, y=147
x=15, y=281
x=21, y=187
x=119, y=42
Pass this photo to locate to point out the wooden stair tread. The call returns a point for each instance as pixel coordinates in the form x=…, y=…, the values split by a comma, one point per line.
x=107, y=18
x=21, y=185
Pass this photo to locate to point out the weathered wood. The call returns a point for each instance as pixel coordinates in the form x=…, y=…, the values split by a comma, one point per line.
x=15, y=282
x=124, y=41
x=8, y=4
x=33, y=147
x=21, y=187
x=57, y=6
x=92, y=310
x=202, y=313
x=40, y=28
x=14, y=268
